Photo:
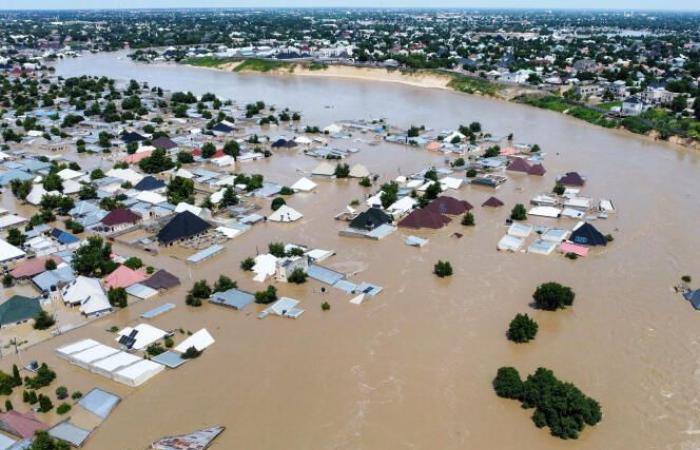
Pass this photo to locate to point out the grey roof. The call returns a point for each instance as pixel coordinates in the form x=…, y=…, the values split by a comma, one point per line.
x=157, y=311
x=170, y=359
x=324, y=275
x=99, y=402
x=268, y=190
x=233, y=298
x=54, y=278
x=70, y=433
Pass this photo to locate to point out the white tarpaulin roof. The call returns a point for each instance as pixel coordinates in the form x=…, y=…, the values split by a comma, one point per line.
x=359, y=171
x=139, y=373
x=304, y=185
x=545, y=211
x=265, y=266
x=9, y=251
x=200, y=340
x=285, y=214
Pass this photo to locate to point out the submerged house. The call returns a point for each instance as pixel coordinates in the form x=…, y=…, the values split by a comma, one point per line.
x=448, y=205
x=18, y=309
x=23, y=425
x=492, y=202
x=88, y=294
x=572, y=179
x=369, y=220
x=184, y=225
x=587, y=234
x=117, y=220
x=423, y=218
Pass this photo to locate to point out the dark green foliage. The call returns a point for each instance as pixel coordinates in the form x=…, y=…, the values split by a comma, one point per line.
x=61, y=392
x=191, y=353
x=93, y=259
x=157, y=162
x=43, y=441
x=390, y=193
x=277, y=203
x=508, y=384
x=224, y=283
x=200, y=290
x=552, y=296
x=63, y=408
x=276, y=249
x=559, y=189
x=29, y=397
x=44, y=376
x=325, y=306
x=133, y=263
x=117, y=297
x=43, y=321
x=248, y=264
x=8, y=405
x=432, y=191
x=50, y=264
x=77, y=395
x=15, y=237
x=45, y=403
x=229, y=198
x=184, y=157
x=443, y=269
x=269, y=295
x=365, y=182
x=518, y=212
x=52, y=182
x=342, y=170
x=180, y=190
x=155, y=349
x=20, y=189
x=468, y=219
x=298, y=276
x=522, y=329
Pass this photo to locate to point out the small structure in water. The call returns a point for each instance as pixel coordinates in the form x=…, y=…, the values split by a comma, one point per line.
x=197, y=440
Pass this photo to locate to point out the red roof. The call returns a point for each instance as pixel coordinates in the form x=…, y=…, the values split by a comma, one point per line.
x=519, y=165
x=448, y=205
x=197, y=152
x=492, y=202
x=572, y=179
x=23, y=425
x=123, y=277
x=120, y=216
x=537, y=169
x=423, y=218
x=31, y=267
x=218, y=154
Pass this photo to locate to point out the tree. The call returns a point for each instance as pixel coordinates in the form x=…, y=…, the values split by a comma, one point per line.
x=131, y=147
x=224, y=283
x=184, y=157
x=390, y=193
x=276, y=249
x=229, y=198
x=432, y=191
x=61, y=392
x=522, y=329
x=43, y=321
x=518, y=212
x=117, y=297
x=248, y=264
x=298, y=276
x=365, y=182
x=16, y=237
x=8, y=405
x=133, y=263
x=468, y=219
x=180, y=190
x=277, y=203
x=269, y=295
x=44, y=377
x=325, y=306
x=87, y=192
x=16, y=378
x=342, y=170
x=52, y=182
x=63, y=408
x=191, y=353
x=508, y=384
x=20, y=189
x=696, y=107
x=45, y=403
x=94, y=258
x=552, y=296
x=208, y=150
x=559, y=189
x=158, y=161
x=200, y=289
x=232, y=148
x=43, y=441
x=443, y=269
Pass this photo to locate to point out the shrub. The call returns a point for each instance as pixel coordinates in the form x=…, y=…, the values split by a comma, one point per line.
x=45, y=403
x=77, y=395
x=286, y=191
x=224, y=283
x=571, y=255
x=298, y=276
x=63, y=408
x=518, y=212
x=468, y=219
x=342, y=170
x=50, y=264
x=168, y=341
x=61, y=392
x=559, y=189
x=365, y=182
x=522, y=329
x=609, y=237
x=508, y=384
x=276, y=249
x=155, y=349
x=277, y=203
x=552, y=296
x=8, y=405
x=191, y=300
x=133, y=263
x=44, y=376
x=117, y=297
x=248, y=264
x=200, y=289
x=471, y=173
x=43, y=321
x=442, y=269
x=269, y=295
x=29, y=397
x=325, y=306
x=686, y=278
x=191, y=353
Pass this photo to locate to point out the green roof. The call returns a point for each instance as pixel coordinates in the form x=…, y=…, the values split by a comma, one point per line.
x=18, y=308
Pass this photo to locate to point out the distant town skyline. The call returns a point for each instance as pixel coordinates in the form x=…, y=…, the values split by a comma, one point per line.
x=677, y=5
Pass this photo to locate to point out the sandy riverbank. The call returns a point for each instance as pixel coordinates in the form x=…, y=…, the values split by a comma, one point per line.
x=421, y=79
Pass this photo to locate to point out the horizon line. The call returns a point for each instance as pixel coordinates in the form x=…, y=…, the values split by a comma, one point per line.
x=357, y=7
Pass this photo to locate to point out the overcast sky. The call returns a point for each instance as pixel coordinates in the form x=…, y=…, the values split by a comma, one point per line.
x=554, y=4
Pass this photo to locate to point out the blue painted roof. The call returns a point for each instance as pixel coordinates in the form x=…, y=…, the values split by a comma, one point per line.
x=233, y=298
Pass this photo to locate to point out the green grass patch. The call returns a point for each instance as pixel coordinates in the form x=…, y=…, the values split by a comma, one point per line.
x=206, y=61
x=472, y=85
x=262, y=65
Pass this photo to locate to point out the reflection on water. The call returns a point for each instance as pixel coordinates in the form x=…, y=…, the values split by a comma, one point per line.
x=412, y=367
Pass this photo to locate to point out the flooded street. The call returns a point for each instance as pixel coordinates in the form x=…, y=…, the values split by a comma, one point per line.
x=412, y=367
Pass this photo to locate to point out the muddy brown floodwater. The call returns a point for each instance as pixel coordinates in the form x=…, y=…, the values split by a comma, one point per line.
x=411, y=368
